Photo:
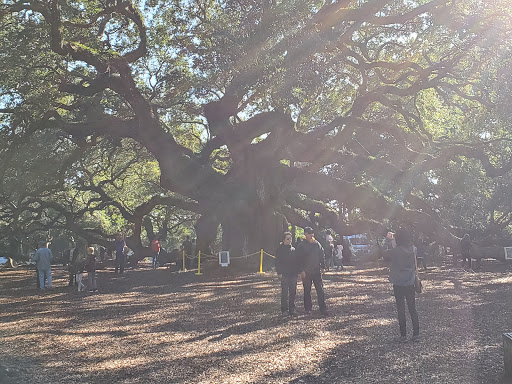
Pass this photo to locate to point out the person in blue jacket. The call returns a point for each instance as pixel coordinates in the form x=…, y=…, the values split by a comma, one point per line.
x=43, y=259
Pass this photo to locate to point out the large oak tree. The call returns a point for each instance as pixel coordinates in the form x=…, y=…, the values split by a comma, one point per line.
x=259, y=113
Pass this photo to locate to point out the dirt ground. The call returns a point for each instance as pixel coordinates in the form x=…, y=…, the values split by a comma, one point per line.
x=158, y=326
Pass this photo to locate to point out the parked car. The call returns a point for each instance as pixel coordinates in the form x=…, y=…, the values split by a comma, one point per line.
x=360, y=244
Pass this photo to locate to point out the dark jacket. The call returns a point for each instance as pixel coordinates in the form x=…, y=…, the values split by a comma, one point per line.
x=403, y=268
x=120, y=244
x=465, y=245
x=90, y=265
x=311, y=256
x=287, y=262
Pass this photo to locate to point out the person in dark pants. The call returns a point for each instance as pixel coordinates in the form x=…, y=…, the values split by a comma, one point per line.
x=465, y=247
x=155, y=249
x=287, y=267
x=120, y=255
x=402, y=275
x=72, y=254
x=312, y=261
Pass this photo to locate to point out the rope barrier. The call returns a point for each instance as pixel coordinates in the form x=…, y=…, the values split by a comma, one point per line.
x=268, y=254
x=244, y=256
x=209, y=256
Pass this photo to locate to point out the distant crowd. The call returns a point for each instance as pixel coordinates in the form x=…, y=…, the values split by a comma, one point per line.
x=307, y=259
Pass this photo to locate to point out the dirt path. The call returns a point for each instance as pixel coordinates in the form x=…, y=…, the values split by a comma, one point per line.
x=161, y=327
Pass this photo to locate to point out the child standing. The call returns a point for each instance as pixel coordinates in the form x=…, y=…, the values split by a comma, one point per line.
x=79, y=276
x=339, y=256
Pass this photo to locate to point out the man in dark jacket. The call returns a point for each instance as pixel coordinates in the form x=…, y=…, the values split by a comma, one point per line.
x=311, y=255
x=288, y=268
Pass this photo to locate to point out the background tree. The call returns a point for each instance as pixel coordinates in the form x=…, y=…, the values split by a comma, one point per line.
x=259, y=113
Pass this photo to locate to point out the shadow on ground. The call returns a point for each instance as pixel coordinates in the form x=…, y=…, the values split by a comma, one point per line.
x=158, y=326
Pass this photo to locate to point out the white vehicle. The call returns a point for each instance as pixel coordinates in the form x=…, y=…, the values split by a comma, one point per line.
x=359, y=244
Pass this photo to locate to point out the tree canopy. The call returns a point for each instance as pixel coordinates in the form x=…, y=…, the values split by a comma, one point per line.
x=250, y=115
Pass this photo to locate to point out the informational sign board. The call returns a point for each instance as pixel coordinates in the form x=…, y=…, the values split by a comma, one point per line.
x=508, y=253
x=224, y=258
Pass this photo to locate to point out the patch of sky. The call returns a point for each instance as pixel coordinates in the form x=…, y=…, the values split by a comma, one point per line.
x=260, y=138
x=432, y=177
x=10, y=100
x=295, y=112
x=327, y=169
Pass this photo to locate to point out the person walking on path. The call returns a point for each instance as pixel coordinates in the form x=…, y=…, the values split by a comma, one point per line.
x=155, y=248
x=312, y=261
x=90, y=267
x=120, y=254
x=287, y=267
x=43, y=259
x=403, y=273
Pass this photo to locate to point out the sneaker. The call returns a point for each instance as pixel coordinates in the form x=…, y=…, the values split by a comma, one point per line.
x=415, y=338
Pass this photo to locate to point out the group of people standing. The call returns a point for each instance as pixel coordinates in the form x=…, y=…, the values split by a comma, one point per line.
x=43, y=261
x=334, y=252
x=307, y=260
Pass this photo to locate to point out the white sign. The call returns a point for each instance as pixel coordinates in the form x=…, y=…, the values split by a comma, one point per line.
x=508, y=253
x=224, y=258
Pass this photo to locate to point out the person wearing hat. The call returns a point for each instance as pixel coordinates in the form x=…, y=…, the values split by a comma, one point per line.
x=312, y=261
